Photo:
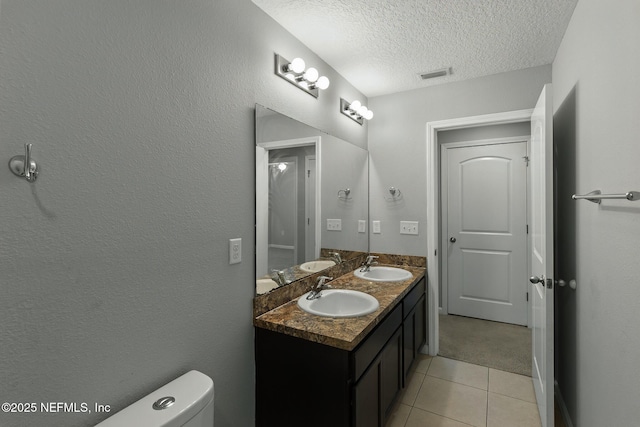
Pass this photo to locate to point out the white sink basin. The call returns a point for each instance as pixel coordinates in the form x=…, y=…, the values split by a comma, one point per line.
x=315, y=266
x=265, y=285
x=339, y=303
x=384, y=274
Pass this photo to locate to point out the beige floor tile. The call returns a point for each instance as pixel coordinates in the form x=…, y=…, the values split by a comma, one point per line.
x=459, y=372
x=512, y=385
x=399, y=415
x=408, y=395
x=452, y=400
x=507, y=411
x=422, y=362
x=420, y=418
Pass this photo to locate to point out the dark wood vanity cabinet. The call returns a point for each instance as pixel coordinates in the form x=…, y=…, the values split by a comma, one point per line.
x=303, y=383
x=414, y=326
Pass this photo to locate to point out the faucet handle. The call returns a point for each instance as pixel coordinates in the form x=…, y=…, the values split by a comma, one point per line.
x=321, y=282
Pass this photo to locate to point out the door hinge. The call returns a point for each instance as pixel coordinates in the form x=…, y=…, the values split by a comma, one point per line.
x=308, y=221
x=527, y=296
x=527, y=228
x=526, y=160
x=435, y=253
x=308, y=173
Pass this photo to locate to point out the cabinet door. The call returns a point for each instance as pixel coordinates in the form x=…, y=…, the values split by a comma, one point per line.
x=409, y=327
x=390, y=372
x=421, y=324
x=379, y=385
x=367, y=405
x=414, y=334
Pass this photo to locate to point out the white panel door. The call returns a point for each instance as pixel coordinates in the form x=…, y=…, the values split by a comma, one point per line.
x=486, y=232
x=542, y=254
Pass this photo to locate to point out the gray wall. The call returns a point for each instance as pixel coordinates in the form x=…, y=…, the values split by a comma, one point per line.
x=344, y=166
x=597, y=105
x=397, y=144
x=114, y=265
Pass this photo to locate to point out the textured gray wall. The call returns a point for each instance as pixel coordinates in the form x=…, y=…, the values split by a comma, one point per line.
x=114, y=265
x=397, y=144
x=597, y=105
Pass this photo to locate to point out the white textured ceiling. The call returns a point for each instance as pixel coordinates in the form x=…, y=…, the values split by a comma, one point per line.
x=380, y=46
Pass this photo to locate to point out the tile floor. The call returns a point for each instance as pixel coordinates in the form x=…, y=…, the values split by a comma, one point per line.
x=448, y=393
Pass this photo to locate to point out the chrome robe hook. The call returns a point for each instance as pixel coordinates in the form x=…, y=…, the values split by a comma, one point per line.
x=24, y=165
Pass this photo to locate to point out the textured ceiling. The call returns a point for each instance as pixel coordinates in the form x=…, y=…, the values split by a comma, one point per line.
x=381, y=46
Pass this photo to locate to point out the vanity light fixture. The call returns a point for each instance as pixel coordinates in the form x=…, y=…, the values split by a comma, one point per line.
x=355, y=111
x=294, y=72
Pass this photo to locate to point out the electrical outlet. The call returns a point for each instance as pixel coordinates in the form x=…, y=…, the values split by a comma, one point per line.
x=376, y=227
x=408, y=227
x=235, y=251
x=362, y=226
x=334, y=224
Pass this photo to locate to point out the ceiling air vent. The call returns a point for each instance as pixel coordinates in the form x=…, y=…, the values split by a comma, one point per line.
x=435, y=73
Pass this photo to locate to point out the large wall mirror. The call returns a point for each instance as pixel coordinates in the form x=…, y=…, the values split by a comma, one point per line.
x=311, y=200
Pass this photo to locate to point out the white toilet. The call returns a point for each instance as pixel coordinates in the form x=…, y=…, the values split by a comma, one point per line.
x=186, y=401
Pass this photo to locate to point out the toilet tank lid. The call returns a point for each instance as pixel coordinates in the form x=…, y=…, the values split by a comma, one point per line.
x=192, y=392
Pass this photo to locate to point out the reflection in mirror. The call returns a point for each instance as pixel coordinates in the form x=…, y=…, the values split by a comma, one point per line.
x=311, y=200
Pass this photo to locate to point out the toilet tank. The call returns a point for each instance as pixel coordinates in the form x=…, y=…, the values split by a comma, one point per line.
x=186, y=401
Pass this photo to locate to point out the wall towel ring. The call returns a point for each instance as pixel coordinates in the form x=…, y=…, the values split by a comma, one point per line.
x=344, y=194
x=395, y=194
x=23, y=165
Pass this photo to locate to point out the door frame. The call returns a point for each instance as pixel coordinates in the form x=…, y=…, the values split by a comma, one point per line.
x=294, y=161
x=444, y=151
x=307, y=208
x=262, y=190
x=433, y=206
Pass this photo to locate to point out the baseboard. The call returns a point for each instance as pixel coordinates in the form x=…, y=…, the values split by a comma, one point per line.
x=563, y=407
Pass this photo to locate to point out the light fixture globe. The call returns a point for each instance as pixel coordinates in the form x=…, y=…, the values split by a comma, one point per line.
x=354, y=106
x=322, y=83
x=362, y=110
x=368, y=115
x=297, y=65
x=311, y=75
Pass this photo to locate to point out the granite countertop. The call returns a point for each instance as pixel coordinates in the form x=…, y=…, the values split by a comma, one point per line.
x=343, y=333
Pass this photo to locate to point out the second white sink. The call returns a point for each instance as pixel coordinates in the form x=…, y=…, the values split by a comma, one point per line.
x=339, y=303
x=384, y=274
x=315, y=266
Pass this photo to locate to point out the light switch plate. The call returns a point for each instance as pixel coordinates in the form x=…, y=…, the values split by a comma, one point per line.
x=362, y=226
x=408, y=227
x=235, y=251
x=334, y=224
x=376, y=227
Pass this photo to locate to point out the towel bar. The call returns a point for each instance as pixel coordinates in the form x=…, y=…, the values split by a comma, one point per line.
x=596, y=196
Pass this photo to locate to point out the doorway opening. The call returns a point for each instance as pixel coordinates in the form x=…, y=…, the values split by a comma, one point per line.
x=435, y=130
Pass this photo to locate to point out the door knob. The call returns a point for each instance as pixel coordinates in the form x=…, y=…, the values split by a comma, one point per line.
x=536, y=279
x=452, y=240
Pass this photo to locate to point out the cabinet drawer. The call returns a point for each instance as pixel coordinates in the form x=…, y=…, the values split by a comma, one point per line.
x=369, y=349
x=412, y=297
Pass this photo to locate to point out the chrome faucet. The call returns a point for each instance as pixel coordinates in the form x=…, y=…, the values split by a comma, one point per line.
x=336, y=257
x=279, y=277
x=369, y=262
x=320, y=285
